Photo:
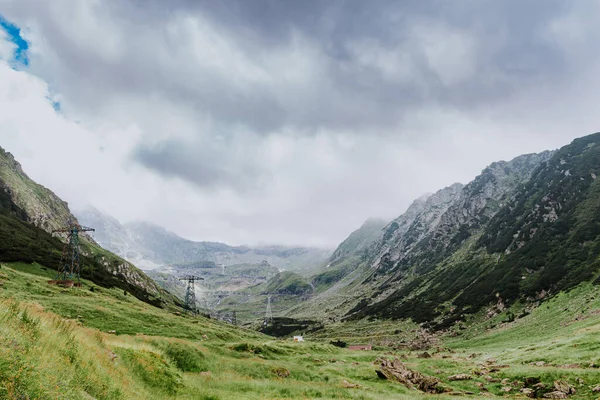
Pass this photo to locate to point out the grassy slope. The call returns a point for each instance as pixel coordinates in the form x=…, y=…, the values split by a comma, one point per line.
x=54, y=344
x=561, y=332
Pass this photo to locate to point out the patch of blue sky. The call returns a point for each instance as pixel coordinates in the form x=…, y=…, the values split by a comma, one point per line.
x=20, y=56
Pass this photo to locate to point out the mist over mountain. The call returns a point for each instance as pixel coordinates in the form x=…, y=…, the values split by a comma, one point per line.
x=152, y=247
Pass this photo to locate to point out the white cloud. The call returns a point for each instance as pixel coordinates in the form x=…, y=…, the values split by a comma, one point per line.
x=7, y=48
x=292, y=136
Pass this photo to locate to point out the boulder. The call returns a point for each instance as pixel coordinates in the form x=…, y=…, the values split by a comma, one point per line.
x=563, y=386
x=394, y=370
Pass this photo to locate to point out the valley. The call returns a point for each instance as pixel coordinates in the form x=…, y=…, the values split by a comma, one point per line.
x=490, y=288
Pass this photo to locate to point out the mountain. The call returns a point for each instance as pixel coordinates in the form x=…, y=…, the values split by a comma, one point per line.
x=520, y=232
x=30, y=212
x=152, y=246
x=427, y=262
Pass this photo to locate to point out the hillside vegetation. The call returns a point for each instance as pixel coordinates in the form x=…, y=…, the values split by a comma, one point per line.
x=56, y=343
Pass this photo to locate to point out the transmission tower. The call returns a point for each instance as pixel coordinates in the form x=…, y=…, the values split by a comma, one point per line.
x=234, y=318
x=190, y=293
x=268, y=312
x=69, y=268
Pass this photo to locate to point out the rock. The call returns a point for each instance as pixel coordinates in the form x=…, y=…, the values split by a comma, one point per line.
x=539, y=363
x=206, y=373
x=491, y=361
x=563, y=386
x=505, y=381
x=204, y=337
x=394, y=370
x=481, y=386
x=348, y=385
x=490, y=379
x=280, y=372
x=580, y=381
x=424, y=355
x=555, y=395
x=506, y=389
x=528, y=392
x=460, y=377
x=596, y=389
x=112, y=332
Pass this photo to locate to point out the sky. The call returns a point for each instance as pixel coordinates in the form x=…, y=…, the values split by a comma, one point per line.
x=280, y=122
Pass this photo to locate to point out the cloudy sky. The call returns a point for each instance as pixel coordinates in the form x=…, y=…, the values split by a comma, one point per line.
x=286, y=122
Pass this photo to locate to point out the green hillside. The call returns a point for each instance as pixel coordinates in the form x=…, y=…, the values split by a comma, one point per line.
x=57, y=343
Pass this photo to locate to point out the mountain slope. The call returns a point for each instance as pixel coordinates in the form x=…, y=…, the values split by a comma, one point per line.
x=543, y=238
x=359, y=240
x=30, y=212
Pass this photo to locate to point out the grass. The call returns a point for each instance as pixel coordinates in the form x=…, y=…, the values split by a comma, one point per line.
x=55, y=343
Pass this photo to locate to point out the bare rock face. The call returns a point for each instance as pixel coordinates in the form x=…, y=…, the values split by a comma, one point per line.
x=394, y=370
x=406, y=231
x=435, y=225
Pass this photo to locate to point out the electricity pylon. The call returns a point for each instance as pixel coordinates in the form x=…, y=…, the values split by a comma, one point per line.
x=190, y=293
x=69, y=268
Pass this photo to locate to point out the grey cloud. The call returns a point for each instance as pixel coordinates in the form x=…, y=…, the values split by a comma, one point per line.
x=339, y=110
x=202, y=164
x=508, y=57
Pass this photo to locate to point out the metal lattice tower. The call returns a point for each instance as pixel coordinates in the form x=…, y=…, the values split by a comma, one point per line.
x=234, y=318
x=190, y=293
x=268, y=312
x=69, y=268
